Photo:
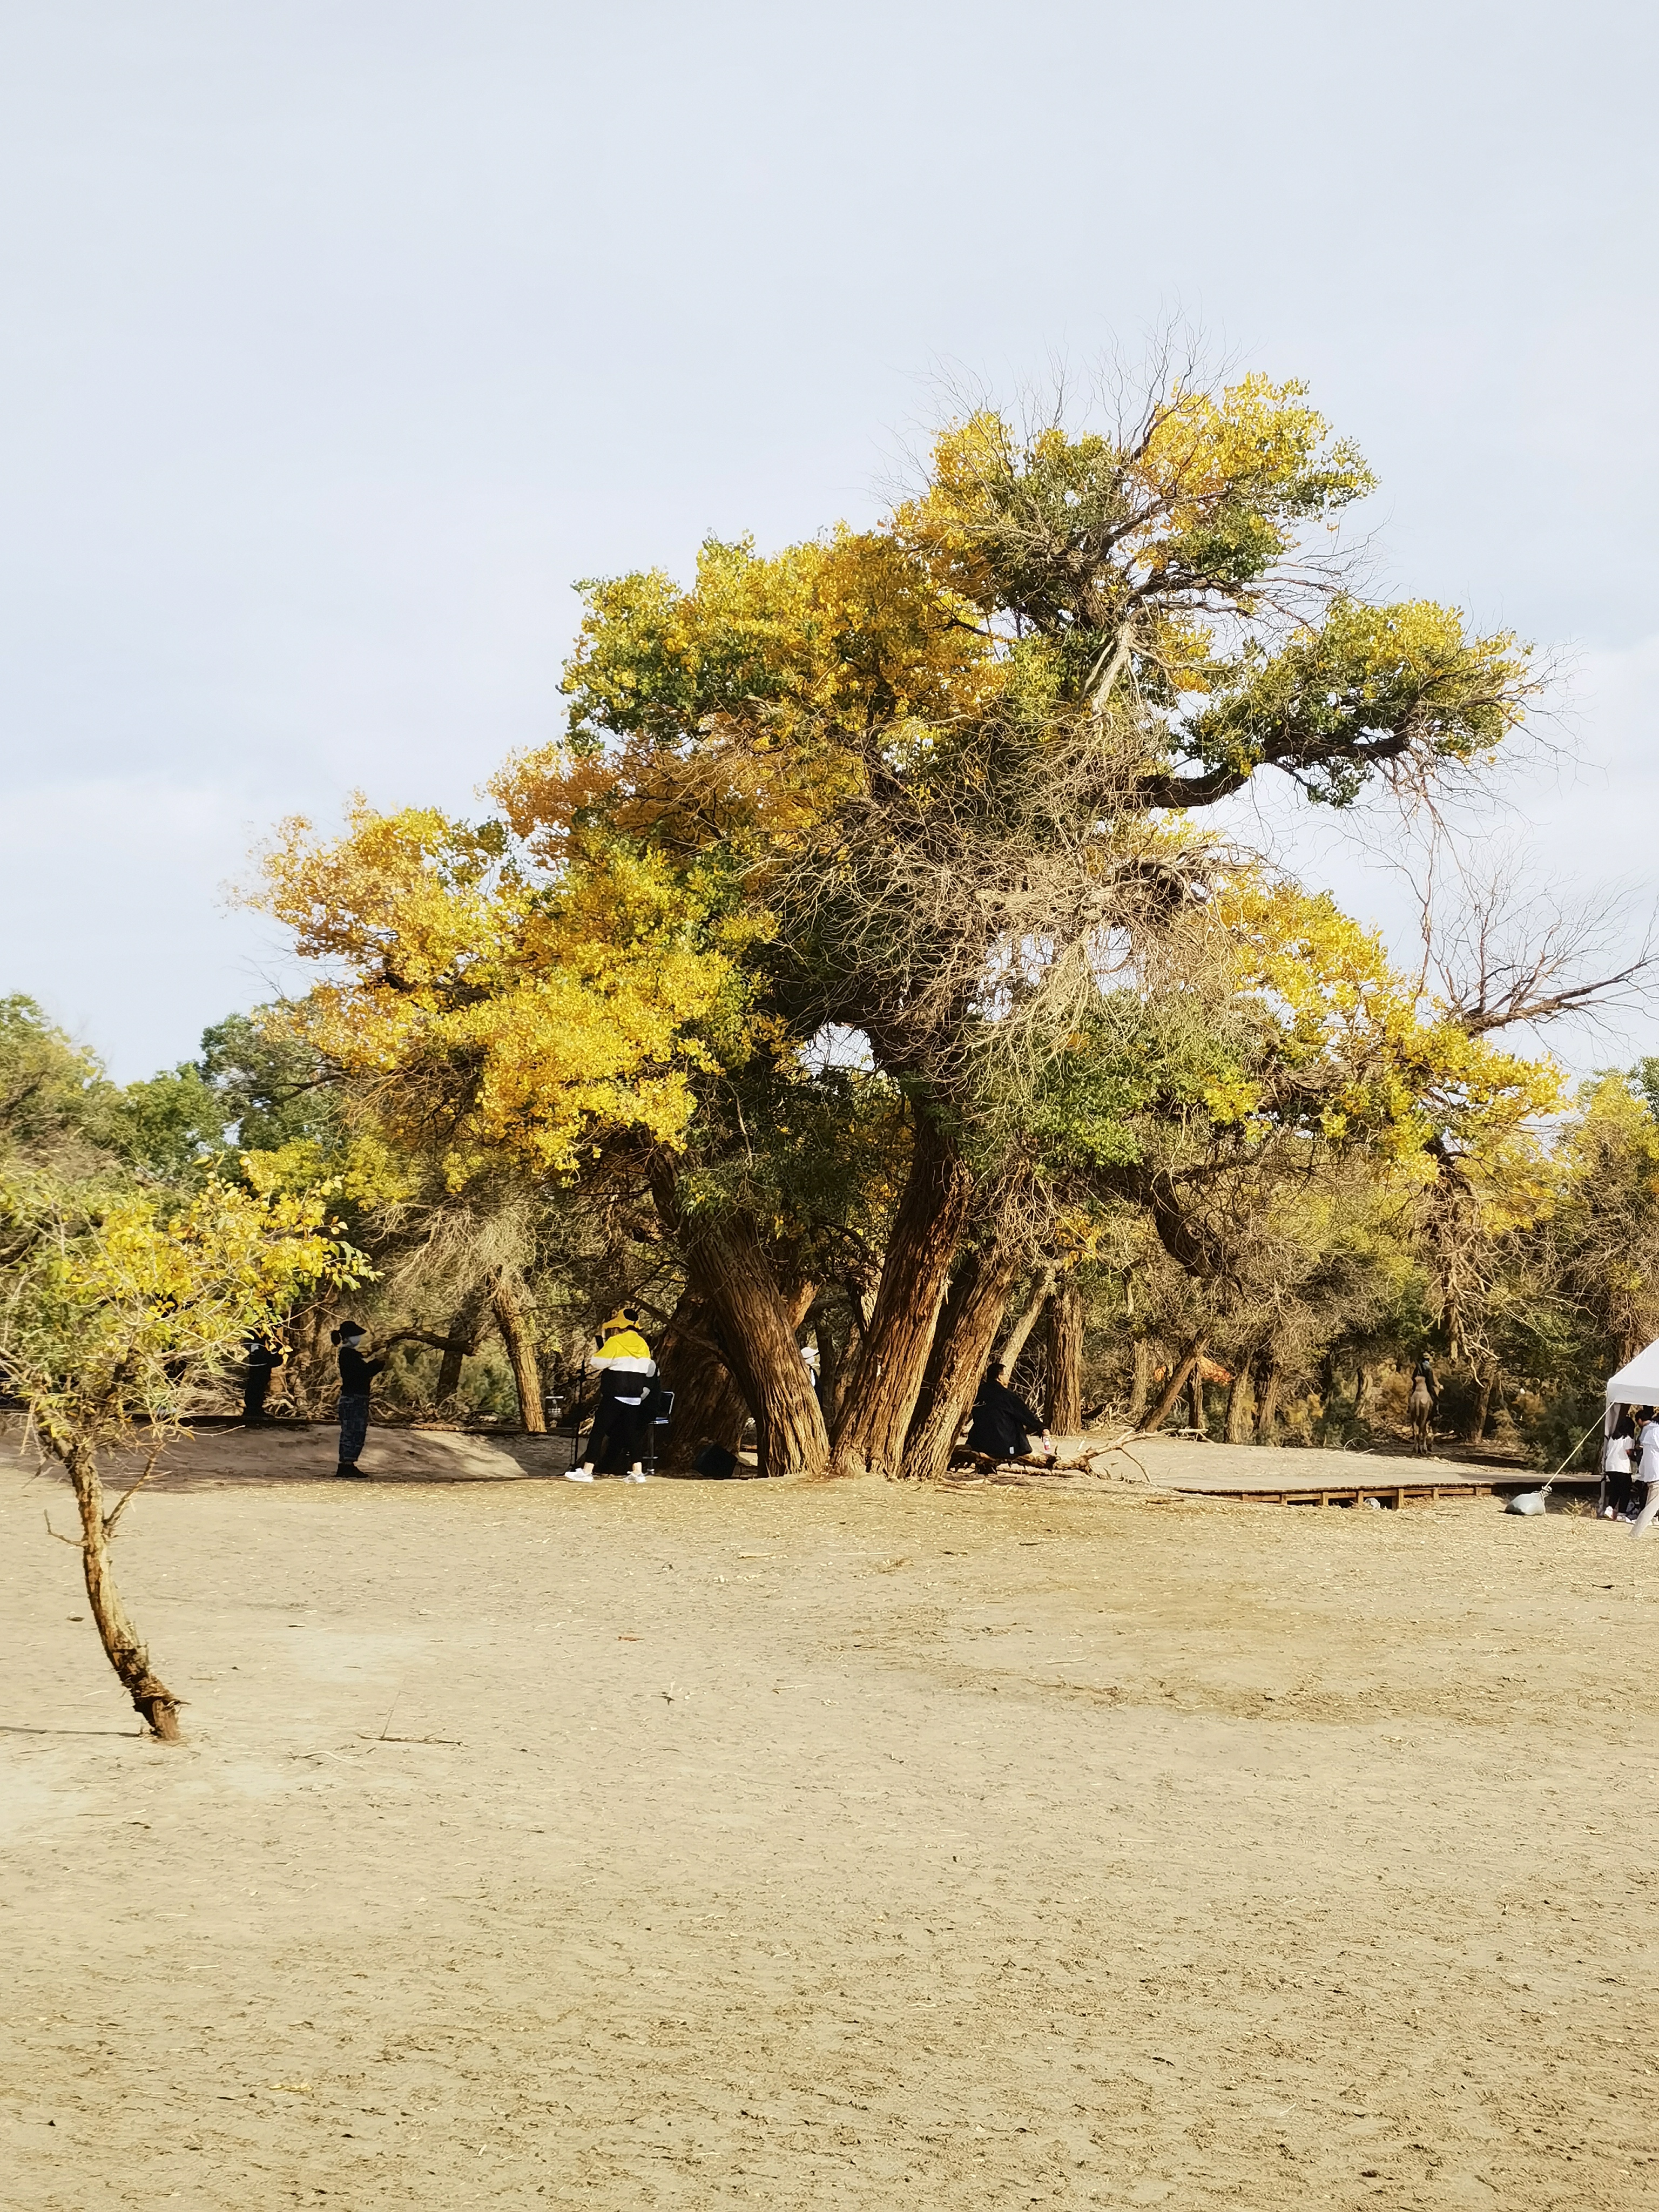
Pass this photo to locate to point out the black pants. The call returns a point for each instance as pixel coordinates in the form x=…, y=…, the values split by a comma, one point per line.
x=353, y=1428
x=255, y=1385
x=620, y=1433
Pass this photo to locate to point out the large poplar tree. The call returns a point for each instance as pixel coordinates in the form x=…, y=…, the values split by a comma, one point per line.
x=911, y=799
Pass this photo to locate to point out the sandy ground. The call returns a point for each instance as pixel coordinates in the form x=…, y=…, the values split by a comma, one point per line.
x=703, y=1844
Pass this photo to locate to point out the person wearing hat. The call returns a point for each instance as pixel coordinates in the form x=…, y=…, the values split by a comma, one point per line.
x=262, y=1354
x=628, y=1388
x=357, y=1374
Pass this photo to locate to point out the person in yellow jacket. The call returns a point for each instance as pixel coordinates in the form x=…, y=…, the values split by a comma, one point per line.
x=628, y=1388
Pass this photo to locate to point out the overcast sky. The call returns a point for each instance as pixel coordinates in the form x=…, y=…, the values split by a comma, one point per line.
x=341, y=338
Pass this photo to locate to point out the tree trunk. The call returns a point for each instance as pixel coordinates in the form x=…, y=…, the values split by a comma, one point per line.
x=860, y=1285
x=833, y=1365
x=1063, y=1411
x=1200, y=1420
x=449, y=1369
x=1140, y=1385
x=150, y=1696
x=893, y=1356
x=995, y=1260
x=1326, y=1389
x=796, y=1295
x=450, y=1366
x=1239, y=1406
x=979, y=1300
x=463, y=1339
x=1019, y=1335
x=507, y=1307
x=1267, y=1411
x=309, y=1368
x=729, y=1269
x=710, y=1407
x=1177, y=1382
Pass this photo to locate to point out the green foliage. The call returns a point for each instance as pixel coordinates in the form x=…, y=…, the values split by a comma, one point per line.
x=1365, y=686
x=272, y=1087
x=171, y=1127
x=51, y=1089
x=253, y=1090
x=119, y=1299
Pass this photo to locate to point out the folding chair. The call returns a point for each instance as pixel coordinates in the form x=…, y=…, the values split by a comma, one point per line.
x=663, y=1414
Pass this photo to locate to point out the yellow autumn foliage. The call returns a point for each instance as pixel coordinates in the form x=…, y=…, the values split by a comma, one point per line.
x=484, y=1005
x=1385, y=1060
x=118, y=1300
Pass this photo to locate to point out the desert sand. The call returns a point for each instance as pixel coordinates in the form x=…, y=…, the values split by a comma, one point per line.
x=690, y=1844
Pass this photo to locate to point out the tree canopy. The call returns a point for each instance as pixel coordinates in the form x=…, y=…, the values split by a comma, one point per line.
x=925, y=797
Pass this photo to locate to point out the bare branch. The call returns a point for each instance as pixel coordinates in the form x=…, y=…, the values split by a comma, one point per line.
x=132, y=1490
x=1512, y=953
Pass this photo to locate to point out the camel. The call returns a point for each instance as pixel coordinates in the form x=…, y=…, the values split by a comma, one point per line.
x=1420, y=1408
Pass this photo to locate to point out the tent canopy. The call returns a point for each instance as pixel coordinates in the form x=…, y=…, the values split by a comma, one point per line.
x=1637, y=1382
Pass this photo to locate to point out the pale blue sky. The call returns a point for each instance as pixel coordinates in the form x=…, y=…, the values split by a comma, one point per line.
x=340, y=339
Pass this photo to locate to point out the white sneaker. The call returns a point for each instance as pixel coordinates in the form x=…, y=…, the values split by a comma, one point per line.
x=634, y=1476
x=577, y=1474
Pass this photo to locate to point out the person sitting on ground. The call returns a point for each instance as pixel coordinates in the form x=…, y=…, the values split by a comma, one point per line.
x=356, y=1375
x=628, y=1389
x=1003, y=1424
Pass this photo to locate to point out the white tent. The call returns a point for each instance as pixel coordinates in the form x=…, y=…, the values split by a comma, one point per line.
x=1636, y=1384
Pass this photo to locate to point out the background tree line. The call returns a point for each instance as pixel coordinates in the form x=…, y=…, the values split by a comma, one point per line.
x=858, y=969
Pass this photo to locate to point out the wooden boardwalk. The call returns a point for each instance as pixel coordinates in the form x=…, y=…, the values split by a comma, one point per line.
x=1293, y=1476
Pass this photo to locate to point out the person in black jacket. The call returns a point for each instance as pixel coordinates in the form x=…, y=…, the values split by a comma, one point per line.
x=628, y=1391
x=1003, y=1424
x=261, y=1356
x=357, y=1374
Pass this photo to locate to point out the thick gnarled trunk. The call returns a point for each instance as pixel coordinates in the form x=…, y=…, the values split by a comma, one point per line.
x=729, y=1269
x=710, y=1407
x=151, y=1698
x=892, y=1356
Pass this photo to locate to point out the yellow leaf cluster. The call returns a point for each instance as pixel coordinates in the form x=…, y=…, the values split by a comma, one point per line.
x=485, y=1004
x=115, y=1301
x=1381, y=1058
x=848, y=631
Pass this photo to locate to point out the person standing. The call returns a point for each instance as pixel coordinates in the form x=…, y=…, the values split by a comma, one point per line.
x=356, y=1375
x=1648, y=1471
x=628, y=1387
x=261, y=1356
x=1618, y=1451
